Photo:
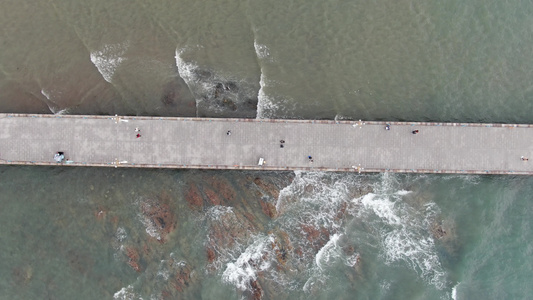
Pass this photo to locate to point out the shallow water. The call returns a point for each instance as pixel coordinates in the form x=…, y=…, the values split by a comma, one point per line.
x=94, y=233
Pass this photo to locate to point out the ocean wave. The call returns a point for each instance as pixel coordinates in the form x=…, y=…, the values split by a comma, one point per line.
x=454, y=291
x=108, y=59
x=186, y=70
x=327, y=253
x=261, y=50
x=214, y=92
x=241, y=271
x=46, y=94
x=403, y=230
x=52, y=106
x=267, y=106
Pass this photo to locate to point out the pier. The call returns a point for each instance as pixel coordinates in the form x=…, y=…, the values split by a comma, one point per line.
x=255, y=144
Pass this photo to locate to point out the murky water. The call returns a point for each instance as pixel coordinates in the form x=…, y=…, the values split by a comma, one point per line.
x=89, y=233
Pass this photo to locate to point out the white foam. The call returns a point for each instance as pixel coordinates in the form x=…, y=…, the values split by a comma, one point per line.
x=329, y=252
x=403, y=231
x=218, y=211
x=403, y=192
x=265, y=104
x=150, y=226
x=252, y=260
x=46, y=94
x=121, y=234
x=204, y=83
x=261, y=50
x=186, y=70
x=352, y=260
x=126, y=293
x=383, y=208
x=107, y=59
x=164, y=273
x=52, y=106
x=454, y=291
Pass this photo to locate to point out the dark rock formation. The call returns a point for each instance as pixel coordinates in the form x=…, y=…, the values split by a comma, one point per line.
x=160, y=215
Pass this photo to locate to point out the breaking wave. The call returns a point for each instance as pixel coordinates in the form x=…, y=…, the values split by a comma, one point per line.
x=108, y=59
x=261, y=51
x=403, y=230
x=216, y=94
x=52, y=106
x=242, y=270
x=266, y=105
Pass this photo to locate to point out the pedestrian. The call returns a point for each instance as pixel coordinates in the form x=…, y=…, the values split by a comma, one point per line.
x=415, y=131
x=229, y=132
x=137, y=129
x=281, y=145
x=387, y=127
x=524, y=158
x=138, y=135
x=310, y=157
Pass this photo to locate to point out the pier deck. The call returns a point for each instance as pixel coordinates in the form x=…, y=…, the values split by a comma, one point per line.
x=355, y=146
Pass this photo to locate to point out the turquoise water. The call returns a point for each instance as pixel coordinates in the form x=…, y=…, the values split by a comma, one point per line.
x=93, y=233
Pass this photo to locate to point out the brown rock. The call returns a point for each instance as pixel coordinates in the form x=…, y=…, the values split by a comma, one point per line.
x=267, y=187
x=211, y=256
x=212, y=196
x=222, y=187
x=438, y=232
x=257, y=292
x=268, y=208
x=182, y=278
x=317, y=237
x=193, y=197
x=133, y=256
x=282, y=247
x=160, y=215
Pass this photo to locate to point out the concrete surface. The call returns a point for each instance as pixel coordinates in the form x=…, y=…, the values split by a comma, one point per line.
x=356, y=146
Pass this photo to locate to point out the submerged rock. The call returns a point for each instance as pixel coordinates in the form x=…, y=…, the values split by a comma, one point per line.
x=257, y=292
x=182, y=277
x=133, y=256
x=159, y=217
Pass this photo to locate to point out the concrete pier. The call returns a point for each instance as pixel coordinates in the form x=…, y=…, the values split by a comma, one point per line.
x=353, y=146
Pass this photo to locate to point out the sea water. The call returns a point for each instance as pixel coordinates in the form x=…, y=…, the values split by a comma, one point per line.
x=78, y=233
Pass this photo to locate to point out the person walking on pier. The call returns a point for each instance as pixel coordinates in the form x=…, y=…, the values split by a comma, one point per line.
x=138, y=135
x=415, y=131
